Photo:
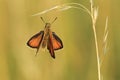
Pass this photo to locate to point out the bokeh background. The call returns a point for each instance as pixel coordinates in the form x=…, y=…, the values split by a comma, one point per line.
x=77, y=60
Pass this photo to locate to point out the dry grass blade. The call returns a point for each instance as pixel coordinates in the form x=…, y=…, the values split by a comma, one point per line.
x=105, y=41
x=45, y=11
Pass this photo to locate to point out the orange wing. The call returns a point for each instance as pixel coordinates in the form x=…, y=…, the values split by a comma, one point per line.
x=56, y=41
x=36, y=40
x=50, y=45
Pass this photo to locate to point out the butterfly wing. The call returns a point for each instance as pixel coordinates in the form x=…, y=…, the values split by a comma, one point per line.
x=35, y=41
x=50, y=45
x=54, y=43
x=57, y=42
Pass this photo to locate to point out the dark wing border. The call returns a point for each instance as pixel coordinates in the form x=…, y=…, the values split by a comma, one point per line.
x=58, y=39
x=35, y=36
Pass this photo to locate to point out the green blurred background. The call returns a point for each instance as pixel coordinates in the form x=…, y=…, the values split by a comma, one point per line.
x=77, y=60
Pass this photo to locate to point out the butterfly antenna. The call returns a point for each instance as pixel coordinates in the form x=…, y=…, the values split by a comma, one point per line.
x=54, y=20
x=42, y=19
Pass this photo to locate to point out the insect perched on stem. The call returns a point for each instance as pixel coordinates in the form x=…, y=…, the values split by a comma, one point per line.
x=46, y=38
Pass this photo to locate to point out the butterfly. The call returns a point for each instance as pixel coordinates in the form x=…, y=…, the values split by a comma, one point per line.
x=46, y=38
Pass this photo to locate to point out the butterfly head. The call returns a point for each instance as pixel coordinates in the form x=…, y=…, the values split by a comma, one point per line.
x=47, y=25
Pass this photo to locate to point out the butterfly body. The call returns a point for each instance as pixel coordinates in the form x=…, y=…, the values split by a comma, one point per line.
x=46, y=38
x=47, y=31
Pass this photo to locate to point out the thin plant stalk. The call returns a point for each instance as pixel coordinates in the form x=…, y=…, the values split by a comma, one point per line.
x=94, y=13
x=97, y=52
